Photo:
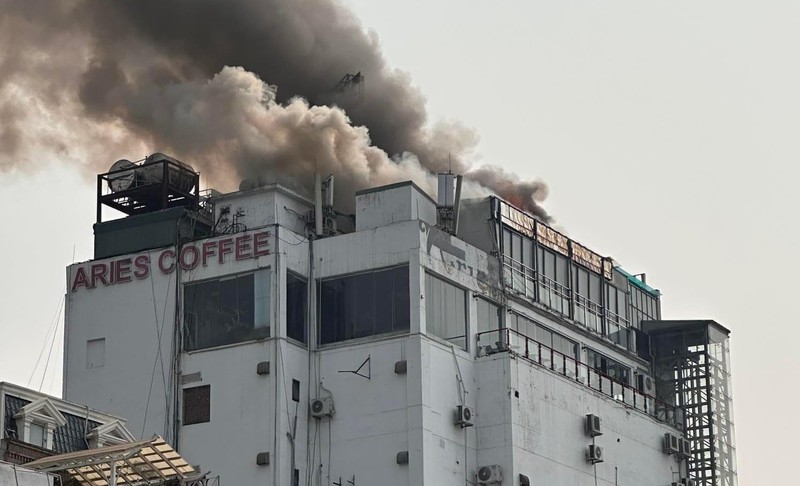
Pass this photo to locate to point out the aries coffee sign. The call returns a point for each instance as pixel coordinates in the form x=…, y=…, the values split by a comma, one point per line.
x=190, y=256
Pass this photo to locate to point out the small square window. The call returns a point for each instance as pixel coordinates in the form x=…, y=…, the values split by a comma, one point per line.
x=197, y=405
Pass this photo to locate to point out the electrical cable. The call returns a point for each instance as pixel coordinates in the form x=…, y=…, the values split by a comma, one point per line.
x=51, y=328
x=50, y=352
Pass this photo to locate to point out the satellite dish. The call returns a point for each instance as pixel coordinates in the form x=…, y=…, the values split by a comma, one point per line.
x=120, y=179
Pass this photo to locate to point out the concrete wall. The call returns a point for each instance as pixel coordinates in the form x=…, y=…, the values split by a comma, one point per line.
x=403, y=201
x=11, y=474
x=550, y=443
x=264, y=206
x=243, y=409
x=136, y=319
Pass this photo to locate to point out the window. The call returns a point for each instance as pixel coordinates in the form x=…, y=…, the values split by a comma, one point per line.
x=644, y=307
x=227, y=310
x=295, y=390
x=588, y=304
x=446, y=310
x=489, y=316
x=95, y=353
x=556, y=342
x=553, y=280
x=37, y=435
x=366, y=304
x=197, y=405
x=518, y=260
x=608, y=366
x=296, y=307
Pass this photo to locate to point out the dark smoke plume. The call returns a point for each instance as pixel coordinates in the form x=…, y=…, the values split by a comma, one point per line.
x=95, y=80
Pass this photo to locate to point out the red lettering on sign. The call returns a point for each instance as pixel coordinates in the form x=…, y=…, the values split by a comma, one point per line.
x=243, y=248
x=142, y=264
x=99, y=271
x=209, y=249
x=195, y=258
x=164, y=255
x=260, y=244
x=225, y=248
x=124, y=270
x=80, y=279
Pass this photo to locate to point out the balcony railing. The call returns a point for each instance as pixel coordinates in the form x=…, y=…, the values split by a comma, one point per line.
x=520, y=277
x=510, y=341
x=538, y=287
x=19, y=452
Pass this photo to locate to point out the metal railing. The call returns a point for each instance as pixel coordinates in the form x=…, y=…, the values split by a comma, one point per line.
x=538, y=287
x=589, y=313
x=507, y=340
x=520, y=277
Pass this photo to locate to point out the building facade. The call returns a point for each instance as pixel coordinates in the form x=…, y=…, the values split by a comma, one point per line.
x=388, y=346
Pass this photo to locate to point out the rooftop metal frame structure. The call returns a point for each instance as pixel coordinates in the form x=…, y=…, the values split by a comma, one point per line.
x=692, y=370
x=160, y=184
x=149, y=462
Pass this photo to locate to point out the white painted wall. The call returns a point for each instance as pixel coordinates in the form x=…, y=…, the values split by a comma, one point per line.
x=129, y=316
x=397, y=202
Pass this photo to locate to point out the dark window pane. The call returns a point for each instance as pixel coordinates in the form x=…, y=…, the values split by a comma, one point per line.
x=402, y=303
x=364, y=305
x=296, y=307
x=197, y=405
x=517, y=247
x=295, y=391
x=384, y=299
x=222, y=311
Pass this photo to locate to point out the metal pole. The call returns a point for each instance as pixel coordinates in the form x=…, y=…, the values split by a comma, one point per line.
x=112, y=481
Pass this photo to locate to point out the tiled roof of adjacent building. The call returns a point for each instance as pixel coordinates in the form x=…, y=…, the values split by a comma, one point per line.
x=68, y=438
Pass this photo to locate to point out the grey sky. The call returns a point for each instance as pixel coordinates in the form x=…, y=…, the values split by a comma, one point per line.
x=665, y=129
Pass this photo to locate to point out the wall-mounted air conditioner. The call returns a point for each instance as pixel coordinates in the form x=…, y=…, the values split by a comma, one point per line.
x=646, y=384
x=463, y=416
x=490, y=474
x=684, y=448
x=322, y=407
x=671, y=444
x=593, y=428
x=594, y=454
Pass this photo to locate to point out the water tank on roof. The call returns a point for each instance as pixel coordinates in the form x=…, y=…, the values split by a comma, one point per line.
x=152, y=171
x=121, y=175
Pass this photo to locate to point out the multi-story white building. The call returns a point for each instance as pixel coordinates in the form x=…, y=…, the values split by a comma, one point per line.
x=420, y=345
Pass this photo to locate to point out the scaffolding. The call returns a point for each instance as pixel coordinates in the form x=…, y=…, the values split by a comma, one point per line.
x=691, y=361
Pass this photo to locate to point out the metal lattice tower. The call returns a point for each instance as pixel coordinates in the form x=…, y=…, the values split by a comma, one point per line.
x=692, y=370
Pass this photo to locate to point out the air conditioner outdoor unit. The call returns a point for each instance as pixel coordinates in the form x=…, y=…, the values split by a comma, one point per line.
x=684, y=448
x=463, y=416
x=490, y=474
x=322, y=407
x=593, y=428
x=646, y=384
x=594, y=454
x=690, y=482
x=671, y=444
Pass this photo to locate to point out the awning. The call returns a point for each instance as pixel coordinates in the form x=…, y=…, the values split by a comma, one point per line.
x=135, y=463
